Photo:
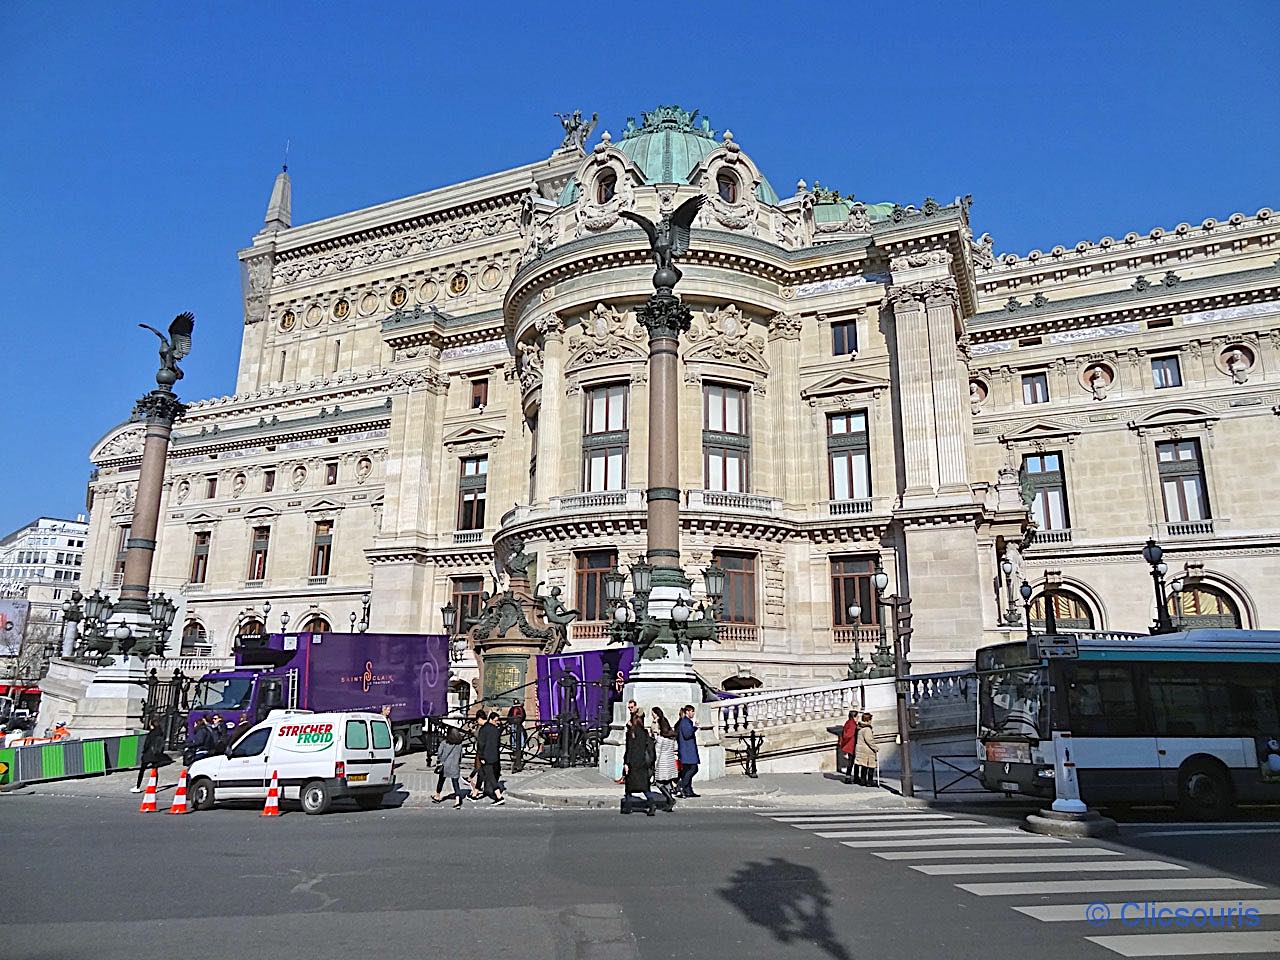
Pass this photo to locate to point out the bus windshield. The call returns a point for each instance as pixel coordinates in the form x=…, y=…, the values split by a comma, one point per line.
x=223, y=693
x=1013, y=695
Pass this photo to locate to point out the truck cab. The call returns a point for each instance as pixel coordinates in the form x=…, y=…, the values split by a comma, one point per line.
x=317, y=757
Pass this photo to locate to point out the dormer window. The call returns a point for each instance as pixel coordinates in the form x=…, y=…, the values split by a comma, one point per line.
x=727, y=187
x=606, y=187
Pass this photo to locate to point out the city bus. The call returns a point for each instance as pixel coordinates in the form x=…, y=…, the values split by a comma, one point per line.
x=1189, y=718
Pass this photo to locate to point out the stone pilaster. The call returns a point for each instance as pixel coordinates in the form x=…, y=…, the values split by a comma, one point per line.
x=950, y=401
x=915, y=391
x=551, y=412
x=784, y=383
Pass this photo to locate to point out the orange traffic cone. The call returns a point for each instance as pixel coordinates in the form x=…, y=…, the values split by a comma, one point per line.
x=149, y=798
x=179, y=804
x=272, y=809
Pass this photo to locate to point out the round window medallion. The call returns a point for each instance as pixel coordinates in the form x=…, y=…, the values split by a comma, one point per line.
x=314, y=316
x=368, y=303
x=491, y=277
x=399, y=296
x=977, y=391
x=341, y=309
x=427, y=291
x=458, y=284
x=288, y=320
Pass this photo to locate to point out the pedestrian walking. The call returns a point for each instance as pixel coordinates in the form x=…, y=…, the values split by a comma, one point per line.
x=220, y=733
x=637, y=764
x=449, y=766
x=665, y=769
x=687, y=750
x=201, y=744
x=488, y=750
x=153, y=754
x=849, y=743
x=864, y=756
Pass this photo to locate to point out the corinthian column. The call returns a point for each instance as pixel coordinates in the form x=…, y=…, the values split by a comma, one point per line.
x=915, y=390
x=551, y=408
x=949, y=401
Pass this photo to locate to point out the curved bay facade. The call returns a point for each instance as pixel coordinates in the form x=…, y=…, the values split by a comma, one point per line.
x=426, y=383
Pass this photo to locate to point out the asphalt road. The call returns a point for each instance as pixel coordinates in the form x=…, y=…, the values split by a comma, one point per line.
x=91, y=878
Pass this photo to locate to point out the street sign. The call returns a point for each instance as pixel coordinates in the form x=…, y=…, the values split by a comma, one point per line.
x=1057, y=648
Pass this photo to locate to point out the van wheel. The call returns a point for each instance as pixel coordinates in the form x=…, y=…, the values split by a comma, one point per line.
x=202, y=794
x=400, y=741
x=368, y=801
x=1204, y=792
x=316, y=797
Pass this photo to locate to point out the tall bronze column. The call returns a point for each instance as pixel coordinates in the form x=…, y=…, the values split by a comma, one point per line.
x=665, y=317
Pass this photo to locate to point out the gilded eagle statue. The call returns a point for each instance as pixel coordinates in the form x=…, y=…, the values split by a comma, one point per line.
x=173, y=347
x=668, y=239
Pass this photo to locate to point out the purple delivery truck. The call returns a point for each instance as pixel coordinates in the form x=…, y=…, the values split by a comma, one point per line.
x=405, y=672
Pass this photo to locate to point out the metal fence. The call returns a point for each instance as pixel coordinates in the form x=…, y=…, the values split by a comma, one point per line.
x=65, y=759
x=168, y=704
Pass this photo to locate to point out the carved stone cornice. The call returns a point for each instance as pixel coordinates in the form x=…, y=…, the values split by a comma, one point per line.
x=920, y=258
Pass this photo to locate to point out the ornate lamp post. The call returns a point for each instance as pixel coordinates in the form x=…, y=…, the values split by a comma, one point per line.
x=1153, y=554
x=1025, y=592
x=1175, y=594
x=284, y=622
x=893, y=663
x=883, y=657
x=1011, y=615
x=857, y=666
x=449, y=614
x=365, y=601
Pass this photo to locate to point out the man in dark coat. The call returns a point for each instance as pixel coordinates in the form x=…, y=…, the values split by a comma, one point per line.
x=201, y=745
x=488, y=749
x=637, y=764
x=687, y=750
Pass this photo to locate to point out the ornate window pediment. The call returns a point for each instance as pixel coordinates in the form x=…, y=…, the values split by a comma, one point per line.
x=479, y=434
x=1040, y=431
x=606, y=335
x=1173, y=419
x=202, y=519
x=120, y=443
x=324, y=506
x=723, y=335
x=845, y=384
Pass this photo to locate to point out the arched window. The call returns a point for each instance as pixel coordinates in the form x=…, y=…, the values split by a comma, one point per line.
x=727, y=187
x=1069, y=612
x=253, y=627
x=195, y=640
x=316, y=624
x=606, y=186
x=1203, y=606
x=739, y=682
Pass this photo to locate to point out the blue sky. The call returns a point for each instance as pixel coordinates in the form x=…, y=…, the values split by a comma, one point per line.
x=141, y=142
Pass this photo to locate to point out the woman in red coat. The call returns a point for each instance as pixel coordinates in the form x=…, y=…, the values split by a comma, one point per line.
x=849, y=743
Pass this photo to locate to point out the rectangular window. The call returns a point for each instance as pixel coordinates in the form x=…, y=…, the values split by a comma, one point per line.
x=848, y=456
x=1182, y=480
x=1102, y=701
x=258, y=546
x=739, y=604
x=200, y=557
x=466, y=600
x=726, y=438
x=473, y=481
x=330, y=473
x=844, y=338
x=122, y=546
x=268, y=481
x=322, y=548
x=851, y=584
x=210, y=487
x=591, y=566
x=479, y=393
x=605, y=439
x=357, y=735
x=1035, y=388
x=1042, y=473
x=1166, y=372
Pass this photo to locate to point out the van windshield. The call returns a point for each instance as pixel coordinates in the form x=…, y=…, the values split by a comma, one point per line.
x=222, y=693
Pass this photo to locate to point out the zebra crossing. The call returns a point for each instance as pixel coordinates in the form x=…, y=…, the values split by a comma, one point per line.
x=1128, y=893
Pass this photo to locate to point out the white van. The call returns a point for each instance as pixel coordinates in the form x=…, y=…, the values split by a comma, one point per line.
x=318, y=757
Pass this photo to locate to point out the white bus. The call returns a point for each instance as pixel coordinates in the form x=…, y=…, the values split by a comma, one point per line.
x=1191, y=718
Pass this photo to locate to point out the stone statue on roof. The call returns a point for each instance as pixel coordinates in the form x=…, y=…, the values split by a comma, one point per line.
x=576, y=130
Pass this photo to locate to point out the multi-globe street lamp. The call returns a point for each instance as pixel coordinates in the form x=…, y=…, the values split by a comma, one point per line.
x=1011, y=616
x=1025, y=592
x=1153, y=554
x=857, y=666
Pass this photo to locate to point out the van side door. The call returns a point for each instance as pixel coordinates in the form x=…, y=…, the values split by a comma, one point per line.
x=243, y=775
x=357, y=752
x=383, y=753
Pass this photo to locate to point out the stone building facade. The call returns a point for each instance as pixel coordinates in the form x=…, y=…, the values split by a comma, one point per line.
x=426, y=384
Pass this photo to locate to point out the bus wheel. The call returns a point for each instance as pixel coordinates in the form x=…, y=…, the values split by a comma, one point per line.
x=1204, y=792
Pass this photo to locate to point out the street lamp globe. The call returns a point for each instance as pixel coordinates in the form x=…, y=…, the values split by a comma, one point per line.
x=613, y=582
x=1152, y=552
x=122, y=632
x=1025, y=591
x=880, y=579
x=854, y=612
x=1006, y=567
x=1162, y=568
x=450, y=614
x=284, y=622
x=1176, y=585
x=680, y=611
x=621, y=613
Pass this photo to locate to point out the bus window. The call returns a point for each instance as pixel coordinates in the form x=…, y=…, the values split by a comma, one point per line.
x=1102, y=701
x=1015, y=703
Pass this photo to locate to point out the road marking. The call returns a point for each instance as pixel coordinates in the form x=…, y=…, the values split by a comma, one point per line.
x=1075, y=912
x=1203, y=833
x=1106, y=866
x=894, y=825
x=1190, y=944
x=1099, y=885
x=858, y=818
x=828, y=811
x=977, y=841
x=1008, y=854
x=920, y=832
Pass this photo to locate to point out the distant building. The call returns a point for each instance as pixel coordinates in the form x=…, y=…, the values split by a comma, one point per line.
x=42, y=561
x=428, y=384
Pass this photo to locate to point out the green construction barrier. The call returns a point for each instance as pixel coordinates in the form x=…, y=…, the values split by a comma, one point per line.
x=65, y=759
x=95, y=756
x=53, y=761
x=129, y=755
x=8, y=765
